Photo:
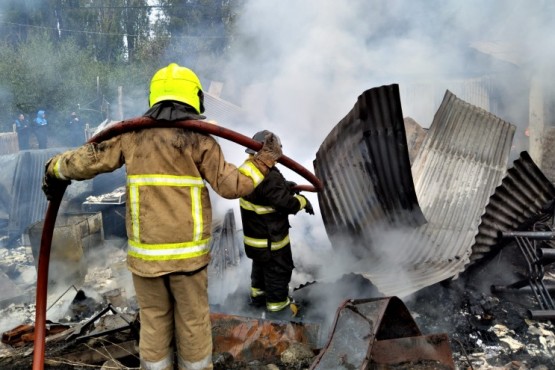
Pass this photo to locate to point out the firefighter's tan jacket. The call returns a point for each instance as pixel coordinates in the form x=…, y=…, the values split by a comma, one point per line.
x=168, y=212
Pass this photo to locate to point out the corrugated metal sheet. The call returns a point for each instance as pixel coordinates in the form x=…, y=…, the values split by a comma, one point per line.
x=364, y=164
x=222, y=111
x=523, y=195
x=28, y=203
x=423, y=98
x=548, y=152
x=462, y=160
x=8, y=143
x=226, y=246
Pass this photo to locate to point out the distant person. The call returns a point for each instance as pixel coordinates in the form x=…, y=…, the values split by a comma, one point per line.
x=265, y=216
x=41, y=129
x=23, y=131
x=76, y=130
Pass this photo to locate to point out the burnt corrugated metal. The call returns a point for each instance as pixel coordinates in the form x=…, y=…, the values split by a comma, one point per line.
x=524, y=195
x=461, y=162
x=226, y=247
x=365, y=167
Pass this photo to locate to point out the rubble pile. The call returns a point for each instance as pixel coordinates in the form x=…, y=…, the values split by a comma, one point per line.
x=486, y=331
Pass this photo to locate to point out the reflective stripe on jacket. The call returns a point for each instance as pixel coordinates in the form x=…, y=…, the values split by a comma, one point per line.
x=168, y=213
x=264, y=214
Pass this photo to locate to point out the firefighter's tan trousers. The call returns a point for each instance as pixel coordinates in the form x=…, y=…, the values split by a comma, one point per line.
x=174, y=304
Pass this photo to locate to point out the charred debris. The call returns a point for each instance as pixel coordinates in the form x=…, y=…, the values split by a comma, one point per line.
x=448, y=248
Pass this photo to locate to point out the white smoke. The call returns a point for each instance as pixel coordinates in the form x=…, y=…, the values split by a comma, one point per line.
x=297, y=68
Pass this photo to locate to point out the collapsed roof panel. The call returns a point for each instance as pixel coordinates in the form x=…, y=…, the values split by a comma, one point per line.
x=462, y=160
x=365, y=164
x=523, y=197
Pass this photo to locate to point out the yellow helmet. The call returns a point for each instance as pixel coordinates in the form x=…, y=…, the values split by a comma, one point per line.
x=177, y=83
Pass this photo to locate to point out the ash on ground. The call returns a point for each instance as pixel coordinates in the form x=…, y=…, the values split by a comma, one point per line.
x=486, y=330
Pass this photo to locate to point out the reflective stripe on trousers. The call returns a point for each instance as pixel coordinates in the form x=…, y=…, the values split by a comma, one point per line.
x=164, y=364
x=204, y=364
x=263, y=243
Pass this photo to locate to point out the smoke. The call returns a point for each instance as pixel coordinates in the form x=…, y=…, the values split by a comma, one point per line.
x=301, y=65
x=297, y=68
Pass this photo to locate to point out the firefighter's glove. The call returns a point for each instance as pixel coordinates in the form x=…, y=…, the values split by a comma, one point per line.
x=308, y=207
x=290, y=186
x=51, y=185
x=270, y=151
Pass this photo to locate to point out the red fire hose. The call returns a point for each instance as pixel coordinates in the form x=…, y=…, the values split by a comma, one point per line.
x=54, y=205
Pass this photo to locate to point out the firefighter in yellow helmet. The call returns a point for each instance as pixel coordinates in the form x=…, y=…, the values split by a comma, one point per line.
x=168, y=215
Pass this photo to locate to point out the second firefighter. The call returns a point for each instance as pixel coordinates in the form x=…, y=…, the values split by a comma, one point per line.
x=265, y=216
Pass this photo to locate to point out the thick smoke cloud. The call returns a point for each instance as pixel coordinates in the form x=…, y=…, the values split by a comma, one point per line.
x=297, y=68
x=301, y=65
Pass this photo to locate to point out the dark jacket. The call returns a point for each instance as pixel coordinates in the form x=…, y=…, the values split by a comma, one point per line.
x=265, y=213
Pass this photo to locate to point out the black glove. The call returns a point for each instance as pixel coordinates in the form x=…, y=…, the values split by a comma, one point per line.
x=290, y=185
x=52, y=186
x=308, y=207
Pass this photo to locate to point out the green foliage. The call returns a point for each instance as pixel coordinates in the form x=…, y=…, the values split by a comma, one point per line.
x=97, y=56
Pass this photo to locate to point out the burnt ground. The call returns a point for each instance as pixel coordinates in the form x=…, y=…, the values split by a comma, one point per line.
x=486, y=330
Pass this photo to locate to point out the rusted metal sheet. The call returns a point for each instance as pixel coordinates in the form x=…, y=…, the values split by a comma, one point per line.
x=387, y=323
x=521, y=199
x=248, y=339
x=432, y=352
x=365, y=165
x=24, y=334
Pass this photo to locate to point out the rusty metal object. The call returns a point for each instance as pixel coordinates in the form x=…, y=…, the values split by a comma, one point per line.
x=248, y=339
x=410, y=352
x=373, y=333
x=24, y=334
x=14, y=337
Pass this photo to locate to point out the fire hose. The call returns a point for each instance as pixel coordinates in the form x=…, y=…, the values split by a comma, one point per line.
x=133, y=124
